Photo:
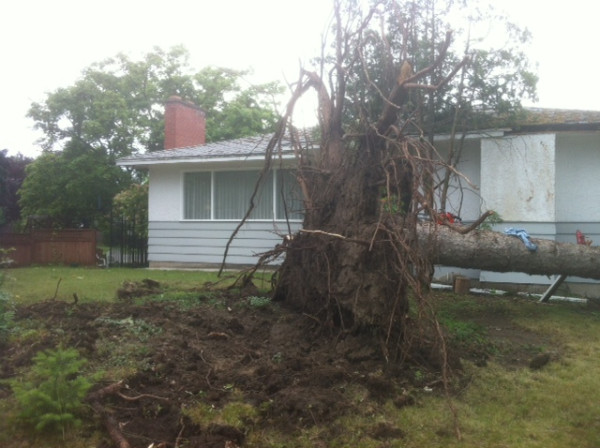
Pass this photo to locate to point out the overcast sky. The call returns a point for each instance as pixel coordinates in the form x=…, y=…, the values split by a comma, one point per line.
x=45, y=44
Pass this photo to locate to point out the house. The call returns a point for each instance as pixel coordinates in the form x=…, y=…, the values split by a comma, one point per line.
x=199, y=192
x=541, y=175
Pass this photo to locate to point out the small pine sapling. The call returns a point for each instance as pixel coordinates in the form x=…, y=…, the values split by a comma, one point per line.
x=51, y=395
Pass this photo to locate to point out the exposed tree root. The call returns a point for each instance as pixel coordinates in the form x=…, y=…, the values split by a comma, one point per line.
x=112, y=426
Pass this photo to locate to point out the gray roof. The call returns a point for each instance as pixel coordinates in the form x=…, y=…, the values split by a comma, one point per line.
x=240, y=148
x=559, y=118
x=530, y=120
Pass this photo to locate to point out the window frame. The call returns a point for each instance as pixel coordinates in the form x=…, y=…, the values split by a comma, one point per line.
x=213, y=174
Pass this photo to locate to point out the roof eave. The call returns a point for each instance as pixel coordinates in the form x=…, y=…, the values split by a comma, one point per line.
x=556, y=127
x=489, y=133
x=146, y=163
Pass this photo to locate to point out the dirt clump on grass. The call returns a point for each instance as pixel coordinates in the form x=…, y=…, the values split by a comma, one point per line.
x=209, y=369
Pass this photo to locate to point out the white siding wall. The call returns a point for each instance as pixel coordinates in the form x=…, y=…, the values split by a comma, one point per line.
x=202, y=243
x=174, y=242
x=165, y=194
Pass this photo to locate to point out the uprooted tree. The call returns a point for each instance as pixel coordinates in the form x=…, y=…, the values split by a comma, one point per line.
x=358, y=254
x=383, y=92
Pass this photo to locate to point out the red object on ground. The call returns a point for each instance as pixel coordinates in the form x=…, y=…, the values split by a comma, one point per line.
x=581, y=239
x=448, y=217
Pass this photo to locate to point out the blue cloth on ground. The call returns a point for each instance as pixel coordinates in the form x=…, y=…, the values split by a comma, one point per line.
x=523, y=235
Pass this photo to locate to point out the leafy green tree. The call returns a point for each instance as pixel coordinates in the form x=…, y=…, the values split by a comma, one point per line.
x=116, y=109
x=12, y=174
x=232, y=111
x=494, y=76
x=117, y=105
x=132, y=205
x=71, y=188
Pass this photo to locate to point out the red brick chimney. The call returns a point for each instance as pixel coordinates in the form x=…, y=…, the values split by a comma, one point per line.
x=185, y=124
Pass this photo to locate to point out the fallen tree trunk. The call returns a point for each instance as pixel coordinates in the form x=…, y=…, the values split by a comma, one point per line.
x=494, y=251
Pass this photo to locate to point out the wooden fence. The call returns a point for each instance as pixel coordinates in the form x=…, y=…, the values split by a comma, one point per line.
x=67, y=246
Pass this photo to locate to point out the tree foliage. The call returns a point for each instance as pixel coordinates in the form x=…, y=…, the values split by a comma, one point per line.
x=52, y=396
x=7, y=306
x=132, y=205
x=233, y=111
x=116, y=109
x=71, y=188
x=494, y=78
x=117, y=104
x=12, y=174
x=495, y=74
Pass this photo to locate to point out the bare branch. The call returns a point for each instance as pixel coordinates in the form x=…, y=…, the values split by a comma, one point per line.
x=399, y=93
x=335, y=235
x=463, y=230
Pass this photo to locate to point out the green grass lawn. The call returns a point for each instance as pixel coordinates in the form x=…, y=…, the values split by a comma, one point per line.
x=557, y=406
x=32, y=284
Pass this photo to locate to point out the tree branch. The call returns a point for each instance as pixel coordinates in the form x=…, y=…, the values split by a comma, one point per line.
x=399, y=93
x=336, y=235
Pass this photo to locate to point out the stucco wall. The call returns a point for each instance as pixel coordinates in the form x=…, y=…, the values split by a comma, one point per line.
x=518, y=182
x=518, y=177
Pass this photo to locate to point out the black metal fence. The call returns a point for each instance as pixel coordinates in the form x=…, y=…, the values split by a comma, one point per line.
x=128, y=243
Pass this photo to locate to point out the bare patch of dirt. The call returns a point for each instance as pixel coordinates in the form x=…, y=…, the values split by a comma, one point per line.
x=216, y=350
x=515, y=346
x=503, y=339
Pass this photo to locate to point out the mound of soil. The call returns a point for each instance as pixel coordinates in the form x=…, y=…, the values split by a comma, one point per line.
x=289, y=367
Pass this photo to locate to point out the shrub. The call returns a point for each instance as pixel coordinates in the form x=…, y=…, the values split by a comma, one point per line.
x=6, y=305
x=51, y=395
x=259, y=302
x=491, y=221
x=6, y=314
x=5, y=260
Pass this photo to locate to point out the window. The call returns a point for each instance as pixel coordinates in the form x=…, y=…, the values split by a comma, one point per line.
x=225, y=195
x=288, y=196
x=196, y=195
x=233, y=190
